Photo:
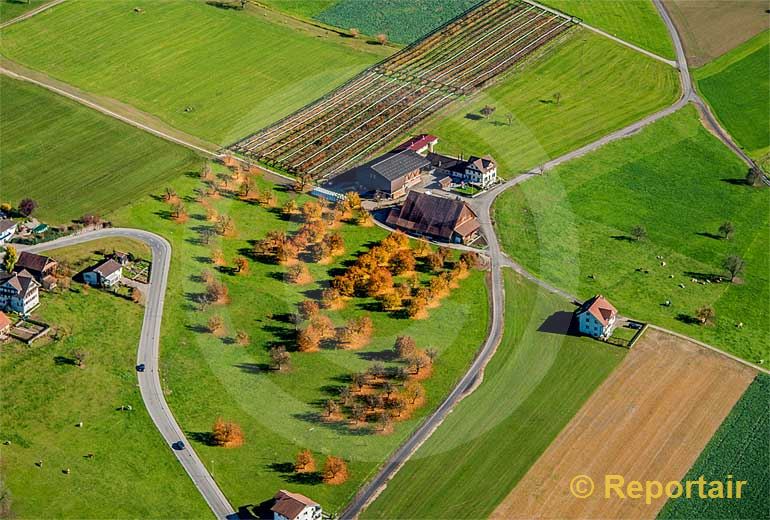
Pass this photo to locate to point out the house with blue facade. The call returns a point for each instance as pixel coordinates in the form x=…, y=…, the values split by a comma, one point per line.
x=597, y=317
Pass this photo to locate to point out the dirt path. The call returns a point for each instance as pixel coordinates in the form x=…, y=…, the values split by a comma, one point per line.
x=650, y=420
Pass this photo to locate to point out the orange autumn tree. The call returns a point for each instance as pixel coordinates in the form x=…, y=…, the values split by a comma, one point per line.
x=304, y=463
x=227, y=434
x=335, y=470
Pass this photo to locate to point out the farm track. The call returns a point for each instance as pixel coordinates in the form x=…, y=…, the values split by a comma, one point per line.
x=390, y=98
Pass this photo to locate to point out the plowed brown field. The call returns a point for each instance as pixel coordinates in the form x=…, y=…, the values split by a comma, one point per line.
x=648, y=421
x=710, y=28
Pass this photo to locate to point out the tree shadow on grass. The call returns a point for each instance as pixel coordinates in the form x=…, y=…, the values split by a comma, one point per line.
x=686, y=318
x=63, y=360
x=623, y=238
x=200, y=329
x=201, y=437
x=254, y=368
x=384, y=356
x=735, y=182
x=709, y=235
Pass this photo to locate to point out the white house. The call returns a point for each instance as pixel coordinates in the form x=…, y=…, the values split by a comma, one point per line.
x=18, y=292
x=7, y=230
x=597, y=317
x=480, y=171
x=106, y=274
x=293, y=506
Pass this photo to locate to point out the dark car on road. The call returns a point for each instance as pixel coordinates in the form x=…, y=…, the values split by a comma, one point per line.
x=178, y=445
x=140, y=367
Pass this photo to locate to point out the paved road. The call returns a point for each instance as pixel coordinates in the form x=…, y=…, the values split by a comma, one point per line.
x=30, y=14
x=148, y=351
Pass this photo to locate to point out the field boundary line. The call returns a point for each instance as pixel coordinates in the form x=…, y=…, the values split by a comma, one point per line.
x=30, y=14
x=601, y=32
x=712, y=348
x=108, y=112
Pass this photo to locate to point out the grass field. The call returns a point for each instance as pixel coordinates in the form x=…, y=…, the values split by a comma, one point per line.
x=603, y=86
x=208, y=376
x=50, y=395
x=738, y=448
x=636, y=21
x=533, y=386
x=572, y=227
x=403, y=21
x=219, y=75
x=736, y=87
x=73, y=160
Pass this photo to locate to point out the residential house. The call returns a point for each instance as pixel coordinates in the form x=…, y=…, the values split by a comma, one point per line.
x=597, y=317
x=448, y=220
x=480, y=171
x=7, y=230
x=106, y=274
x=40, y=266
x=389, y=175
x=5, y=324
x=293, y=506
x=18, y=292
x=420, y=144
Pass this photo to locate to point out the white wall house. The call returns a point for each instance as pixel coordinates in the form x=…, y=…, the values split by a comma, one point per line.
x=106, y=274
x=18, y=292
x=481, y=171
x=293, y=506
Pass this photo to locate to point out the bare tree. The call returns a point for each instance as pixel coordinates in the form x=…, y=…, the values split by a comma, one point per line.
x=734, y=265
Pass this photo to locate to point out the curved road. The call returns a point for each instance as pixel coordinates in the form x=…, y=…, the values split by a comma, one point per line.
x=148, y=353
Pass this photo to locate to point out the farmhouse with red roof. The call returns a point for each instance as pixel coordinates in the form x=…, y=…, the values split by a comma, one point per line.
x=597, y=317
x=293, y=506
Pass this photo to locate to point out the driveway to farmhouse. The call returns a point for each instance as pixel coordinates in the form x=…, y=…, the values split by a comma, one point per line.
x=147, y=354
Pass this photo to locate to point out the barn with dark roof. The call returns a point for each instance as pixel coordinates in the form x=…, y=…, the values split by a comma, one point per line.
x=440, y=218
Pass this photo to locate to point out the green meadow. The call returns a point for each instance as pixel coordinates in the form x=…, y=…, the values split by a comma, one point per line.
x=573, y=225
x=73, y=160
x=45, y=395
x=574, y=92
x=636, y=21
x=736, y=85
x=533, y=386
x=218, y=74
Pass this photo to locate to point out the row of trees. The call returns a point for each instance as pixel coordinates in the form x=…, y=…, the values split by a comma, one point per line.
x=25, y=208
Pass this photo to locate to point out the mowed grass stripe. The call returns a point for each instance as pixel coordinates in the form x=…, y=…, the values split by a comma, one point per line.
x=73, y=160
x=217, y=74
x=636, y=21
x=736, y=86
x=602, y=86
x=532, y=388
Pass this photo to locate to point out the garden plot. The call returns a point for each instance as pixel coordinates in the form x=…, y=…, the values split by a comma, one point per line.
x=387, y=100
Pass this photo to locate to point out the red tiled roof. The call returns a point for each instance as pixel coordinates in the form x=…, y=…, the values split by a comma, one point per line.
x=290, y=505
x=417, y=143
x=600, y=308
